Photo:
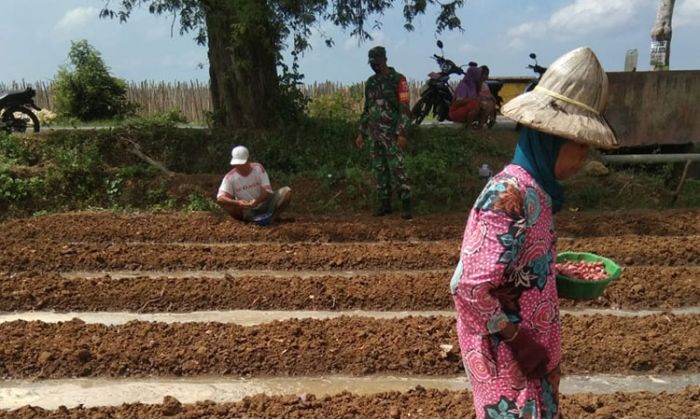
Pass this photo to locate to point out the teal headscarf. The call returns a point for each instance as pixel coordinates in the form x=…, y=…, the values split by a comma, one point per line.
x=537, y=153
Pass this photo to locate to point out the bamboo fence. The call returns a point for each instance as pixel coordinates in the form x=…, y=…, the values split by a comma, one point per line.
x=192, y=98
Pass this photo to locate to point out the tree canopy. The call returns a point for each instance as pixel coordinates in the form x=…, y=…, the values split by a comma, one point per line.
x=293, y=19
x=245, y=40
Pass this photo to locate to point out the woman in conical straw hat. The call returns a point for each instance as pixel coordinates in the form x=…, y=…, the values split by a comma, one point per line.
x=504, y=286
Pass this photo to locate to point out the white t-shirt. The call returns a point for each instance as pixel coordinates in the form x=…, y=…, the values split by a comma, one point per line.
x=245, y=187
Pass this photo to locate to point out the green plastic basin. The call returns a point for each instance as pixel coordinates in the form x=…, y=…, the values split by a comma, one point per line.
x=578, y=289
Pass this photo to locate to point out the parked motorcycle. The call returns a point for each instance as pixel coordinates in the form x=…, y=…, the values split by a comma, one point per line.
x=16, y=111
x=537, y=69
x=531, y=86
x=436, y=94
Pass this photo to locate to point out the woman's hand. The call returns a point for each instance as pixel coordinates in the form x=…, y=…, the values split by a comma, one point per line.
x=530, y=355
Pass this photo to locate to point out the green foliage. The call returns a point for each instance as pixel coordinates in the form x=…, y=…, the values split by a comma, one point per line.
x=255, y=33
x=15, y=188
x=291, y=18
x=199, y=202
x=65, y=170
x=85, y=89
x=14, y=150
x=292, y=103
x=345, y=105
x=168, y=118
x=76, y=170
x=690, y=194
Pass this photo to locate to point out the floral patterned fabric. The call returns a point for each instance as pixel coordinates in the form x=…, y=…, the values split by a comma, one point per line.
x=506, y=273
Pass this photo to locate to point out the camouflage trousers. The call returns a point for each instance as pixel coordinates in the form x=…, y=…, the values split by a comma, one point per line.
x=387, y=161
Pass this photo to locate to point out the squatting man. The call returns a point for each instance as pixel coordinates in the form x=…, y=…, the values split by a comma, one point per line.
x=245, y=192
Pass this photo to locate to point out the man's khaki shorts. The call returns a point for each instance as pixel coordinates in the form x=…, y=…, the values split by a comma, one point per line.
x=270, y=205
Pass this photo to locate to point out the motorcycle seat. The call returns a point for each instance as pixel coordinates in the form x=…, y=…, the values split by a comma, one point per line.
x=16, y=95
x=495, y=86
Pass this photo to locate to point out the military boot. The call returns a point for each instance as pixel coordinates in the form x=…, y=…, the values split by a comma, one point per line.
x=384, y=208
x=406, y=209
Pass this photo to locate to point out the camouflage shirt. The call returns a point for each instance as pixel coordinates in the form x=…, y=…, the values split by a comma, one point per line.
x=386, y=108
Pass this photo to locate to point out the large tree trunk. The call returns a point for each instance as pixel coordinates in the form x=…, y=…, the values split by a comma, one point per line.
x=661, y=36
x=243, y=50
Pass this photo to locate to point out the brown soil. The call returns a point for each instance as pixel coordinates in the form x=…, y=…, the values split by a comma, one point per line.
x=661, y=250
x=46, y=255
x=204, y=227
x=639, y=287
x=417, y=403
x=347, y=345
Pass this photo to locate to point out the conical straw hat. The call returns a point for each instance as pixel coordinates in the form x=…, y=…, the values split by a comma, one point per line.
x=568, y=101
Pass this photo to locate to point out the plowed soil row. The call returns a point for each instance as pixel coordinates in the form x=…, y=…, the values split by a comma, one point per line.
x=418, y=403
x=45, y=255
x=638, y=288
x=347, y=345
x=204, y=227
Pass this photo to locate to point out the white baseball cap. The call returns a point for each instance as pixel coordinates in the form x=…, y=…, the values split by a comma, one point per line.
x=239, y=155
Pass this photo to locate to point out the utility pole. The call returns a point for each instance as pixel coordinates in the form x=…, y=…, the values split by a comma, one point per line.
x=661, y=36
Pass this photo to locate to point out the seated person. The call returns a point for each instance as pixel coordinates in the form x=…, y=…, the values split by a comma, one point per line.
x=487, y=103
x=245, y=191
x=465, y=106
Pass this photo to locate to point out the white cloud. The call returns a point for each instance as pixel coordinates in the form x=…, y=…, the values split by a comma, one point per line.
x=465, y=47
x=686, y=13
x=583, y=17
x=77, y=17
x=528, y=30
x=591, y=16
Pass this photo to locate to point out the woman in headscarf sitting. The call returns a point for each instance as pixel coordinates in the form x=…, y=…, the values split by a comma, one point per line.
x=504, y=286
x=465, y=105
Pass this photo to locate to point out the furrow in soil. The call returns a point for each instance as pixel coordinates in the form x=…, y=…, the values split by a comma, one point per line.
x=417, y=403
x=51, y=394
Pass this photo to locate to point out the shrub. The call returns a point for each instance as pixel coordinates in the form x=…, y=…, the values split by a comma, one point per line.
x=169, y=118
x=86, y=90
x=345, y=105
x=45, y=116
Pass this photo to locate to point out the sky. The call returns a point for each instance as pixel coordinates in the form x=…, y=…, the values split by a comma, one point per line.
x=36, y=37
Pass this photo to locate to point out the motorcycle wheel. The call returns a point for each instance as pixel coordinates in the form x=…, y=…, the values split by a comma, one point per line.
x=13, y=123
x=420, y=111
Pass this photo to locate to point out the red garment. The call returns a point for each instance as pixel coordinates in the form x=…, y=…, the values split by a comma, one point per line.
x=404, y=93
x=459, y=113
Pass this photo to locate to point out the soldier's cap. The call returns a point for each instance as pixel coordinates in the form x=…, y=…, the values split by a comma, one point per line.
x=376, y=52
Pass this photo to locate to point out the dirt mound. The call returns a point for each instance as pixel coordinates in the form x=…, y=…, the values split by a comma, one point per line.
x=639, y=287
x=107, y=227
x=660, y=250
x=47, y=255
x=346, y=345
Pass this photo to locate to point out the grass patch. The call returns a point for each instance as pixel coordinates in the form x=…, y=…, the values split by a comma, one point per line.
x=70, y=170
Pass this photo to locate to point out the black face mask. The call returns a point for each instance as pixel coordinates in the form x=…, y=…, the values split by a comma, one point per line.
x=375, y=67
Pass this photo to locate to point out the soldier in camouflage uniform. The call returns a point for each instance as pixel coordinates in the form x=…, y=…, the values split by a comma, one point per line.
x=384, y=122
